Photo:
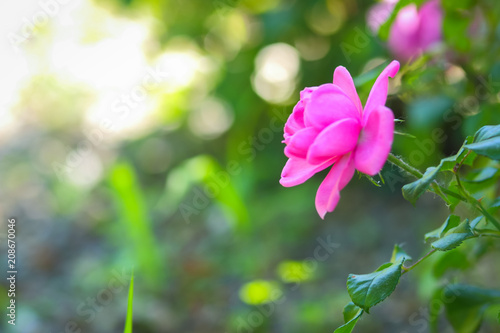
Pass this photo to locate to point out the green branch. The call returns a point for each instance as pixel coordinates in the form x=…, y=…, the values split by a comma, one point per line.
x=407, y=269
x=404, y=166
x=435, y=187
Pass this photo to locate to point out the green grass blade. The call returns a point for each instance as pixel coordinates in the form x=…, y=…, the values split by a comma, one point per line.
x=128, y=320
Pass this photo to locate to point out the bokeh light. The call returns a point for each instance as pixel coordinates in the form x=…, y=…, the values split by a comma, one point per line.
x=276, y=70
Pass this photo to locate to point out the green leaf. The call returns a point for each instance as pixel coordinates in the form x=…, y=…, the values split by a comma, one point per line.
x=413, y=191
x=215, y=184
x=367, y=290
x=351, y=316
x=137, y=231
x=128, y=320
x=450, y=260
x=435, y=311
x=487, y=142
x=482, y=175
x=475, y=222
x=496, y=203
x=489, y=148
x=451, y=222
x=350, y=311
x=448, y=163
x=465, y=306
x=453, y=237
x=487, y=132
x=398, y=253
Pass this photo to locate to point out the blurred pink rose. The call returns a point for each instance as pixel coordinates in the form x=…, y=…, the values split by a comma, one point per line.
x=414, y=30
x=329, y=126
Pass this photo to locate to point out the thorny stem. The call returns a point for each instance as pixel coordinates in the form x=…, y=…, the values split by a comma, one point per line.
x=442, y=192
x=439, y=191
x=478, y=233
x=405, y=166
x=473, y=201
x=416, y=173
x=459, y=164
x=488, y=215
x=463, y=196
x=453, y=194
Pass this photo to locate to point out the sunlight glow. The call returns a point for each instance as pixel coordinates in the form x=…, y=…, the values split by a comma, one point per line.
x=277, y=67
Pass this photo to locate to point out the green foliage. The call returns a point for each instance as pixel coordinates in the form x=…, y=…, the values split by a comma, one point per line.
x=137, y=225
x=399, y=254
x=367, y=290
x=466, y=305
x=475, y=222
x=413, y=191
x=487, y=142
x=453, y=237
x=455, y=28
x=486, y=133
x=482, y=175
x=457, y=22
x=435, y=311
x=451, y=222
x=450, y=260
x=214, y=183
x=351, y=315
x=457, y=4
x=129, y=319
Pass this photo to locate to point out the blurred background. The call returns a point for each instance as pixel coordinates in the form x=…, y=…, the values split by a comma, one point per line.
x=147, y=135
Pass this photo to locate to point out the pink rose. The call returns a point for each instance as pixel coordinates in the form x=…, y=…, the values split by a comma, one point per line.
x=414, y=31
x=329, y=126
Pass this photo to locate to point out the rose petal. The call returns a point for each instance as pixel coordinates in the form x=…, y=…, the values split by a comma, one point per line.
x=378, y=94
x=328, y=194
x=375, y=141
x=343, y=79
x=298, y=170
x=295, y=121
x=299, y=143
x=305, y=94
x=327, y=105
x=404, y=40
x=337, y=139
x=431, y=23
